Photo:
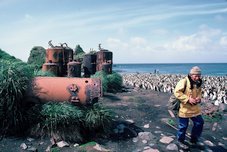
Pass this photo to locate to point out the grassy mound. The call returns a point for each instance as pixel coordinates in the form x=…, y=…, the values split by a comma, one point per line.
x=110, y=82
x=15, y=77
x=64, y=121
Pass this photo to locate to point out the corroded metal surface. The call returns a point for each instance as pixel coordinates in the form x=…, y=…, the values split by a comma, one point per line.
x=89, y=64
x=104, y=56
x=107, y=67
x=74, y=69
x=54, y=55
x=51, y=67
x=77, y=90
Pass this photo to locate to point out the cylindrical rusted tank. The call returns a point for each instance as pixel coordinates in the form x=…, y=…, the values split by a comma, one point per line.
x=103, y=56
x=54, y=55
x=68, y=54
x=51, y=67
x=107, y=67
x=89, y=64
x=67, y=57
x=59, y=89
x=74, y=69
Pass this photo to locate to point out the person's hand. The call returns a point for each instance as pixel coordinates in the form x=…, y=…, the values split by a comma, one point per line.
x=192, y=101
x=198, y=99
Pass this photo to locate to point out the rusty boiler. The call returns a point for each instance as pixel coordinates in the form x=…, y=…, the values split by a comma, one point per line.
x=51, y=67
x=54, y=55
x=107, y=67
x=67, y=57
x=89, y=64
x=74, y=69
x=81, y=91
x=104, y=56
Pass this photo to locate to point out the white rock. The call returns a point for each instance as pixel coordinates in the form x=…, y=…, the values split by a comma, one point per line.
x=75, y=145
x=33, y=149
x=135, y=139
x=130, y=121
x=172, y=147
x=146, y=126
x=166, y=140
x=158, y=132
x=30, y=139
x=62, y=144
x=151, y=150
x=48, y=148
x=209, y=143
x=100, y=148
x=41, y=143
x=145, y=135
x=23, y=146
x=157, y=127
x=144, y=141
x=147, y=147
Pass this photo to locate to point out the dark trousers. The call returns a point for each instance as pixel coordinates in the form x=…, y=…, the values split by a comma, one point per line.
x=196, y=129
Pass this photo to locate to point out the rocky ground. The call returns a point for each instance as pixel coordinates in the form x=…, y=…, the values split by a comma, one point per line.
x=143, y=124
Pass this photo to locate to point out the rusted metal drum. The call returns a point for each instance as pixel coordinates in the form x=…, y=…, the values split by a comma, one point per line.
x=68, y=54
x=89, y=64
x=54, y=55
x=59, y=89
x=51, y=67
x=74, y=69
x=103, y=56
x=107, y=67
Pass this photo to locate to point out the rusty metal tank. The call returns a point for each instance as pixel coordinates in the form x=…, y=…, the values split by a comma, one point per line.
x=59, y=89
x=107, y=67
x=103, y=56
x=74, y=69
x=51, y=67
x=67, y=57
x=54, y=55
x=89, y=64
x=67, y=54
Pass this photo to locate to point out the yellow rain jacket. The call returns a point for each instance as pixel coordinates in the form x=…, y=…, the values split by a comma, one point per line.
x=187, y=110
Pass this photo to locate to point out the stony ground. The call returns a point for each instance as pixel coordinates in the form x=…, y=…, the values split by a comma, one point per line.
x=141, y=117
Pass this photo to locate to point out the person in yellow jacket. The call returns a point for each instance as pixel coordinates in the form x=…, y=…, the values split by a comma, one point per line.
x=189, y=92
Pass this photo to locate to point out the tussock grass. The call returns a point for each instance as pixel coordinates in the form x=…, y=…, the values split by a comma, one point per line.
x=14, y=78
x=59, y=120
x=110, y=82
x=44, y=73
x=68, y=122
x=98, y=117
x=103, y=76
x=115, y=82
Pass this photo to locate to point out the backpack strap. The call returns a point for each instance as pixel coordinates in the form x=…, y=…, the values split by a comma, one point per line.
x=185, y=85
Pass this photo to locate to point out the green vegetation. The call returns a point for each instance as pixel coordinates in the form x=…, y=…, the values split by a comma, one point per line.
x=44, y=73
x=114, y=82
x=110, y=82
x=37, y=57
x=79, y=53
x=6, y=56
x=69, y=122
x=97, y=117
x=60, y=119
x=14, y=77
x=103, y=76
